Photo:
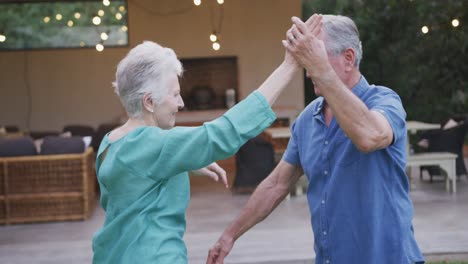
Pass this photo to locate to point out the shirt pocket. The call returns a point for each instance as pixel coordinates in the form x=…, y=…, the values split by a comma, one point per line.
x=346, y=153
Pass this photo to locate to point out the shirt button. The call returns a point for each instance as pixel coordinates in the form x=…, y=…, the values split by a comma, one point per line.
x=324, y=233
x=326, y=142
x=325, y=172
x=327, y=261
x=323, y=201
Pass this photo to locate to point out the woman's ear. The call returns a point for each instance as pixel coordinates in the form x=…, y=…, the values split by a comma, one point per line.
x=148, y=102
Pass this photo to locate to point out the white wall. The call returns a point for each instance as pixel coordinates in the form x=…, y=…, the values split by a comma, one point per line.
x=74, y=86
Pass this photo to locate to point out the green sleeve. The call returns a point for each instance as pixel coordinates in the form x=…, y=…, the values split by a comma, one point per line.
x=161, y=154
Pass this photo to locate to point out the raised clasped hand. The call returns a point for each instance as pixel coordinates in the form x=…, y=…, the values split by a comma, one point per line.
x=304, y=44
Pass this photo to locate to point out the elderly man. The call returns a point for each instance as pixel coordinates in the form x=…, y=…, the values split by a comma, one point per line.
x=350, y=143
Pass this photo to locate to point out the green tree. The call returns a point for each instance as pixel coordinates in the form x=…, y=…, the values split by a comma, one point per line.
x=428, y=71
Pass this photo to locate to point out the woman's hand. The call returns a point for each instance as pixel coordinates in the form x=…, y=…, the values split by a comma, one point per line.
x=304, y=43
x=213, y=171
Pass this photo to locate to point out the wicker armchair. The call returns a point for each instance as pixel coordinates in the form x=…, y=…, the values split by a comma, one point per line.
x=47, y=187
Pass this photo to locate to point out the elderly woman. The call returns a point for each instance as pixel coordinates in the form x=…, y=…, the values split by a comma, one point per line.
x=142, y=166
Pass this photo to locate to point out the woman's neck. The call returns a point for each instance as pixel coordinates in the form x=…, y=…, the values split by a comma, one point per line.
x=145, y=120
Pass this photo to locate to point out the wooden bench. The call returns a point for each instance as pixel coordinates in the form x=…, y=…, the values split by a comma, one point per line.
x=445, y=160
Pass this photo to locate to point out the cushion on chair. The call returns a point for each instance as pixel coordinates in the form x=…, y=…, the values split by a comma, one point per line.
x=254, y=161
x=101, y=131
x=14, y=147
x=62, y=145
x=42, y=134
x=11, y=129
x=79, y=130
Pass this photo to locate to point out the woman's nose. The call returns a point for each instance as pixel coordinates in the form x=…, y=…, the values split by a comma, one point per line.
x=181, y=103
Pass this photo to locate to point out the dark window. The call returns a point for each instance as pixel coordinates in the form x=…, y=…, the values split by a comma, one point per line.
x=71, y=24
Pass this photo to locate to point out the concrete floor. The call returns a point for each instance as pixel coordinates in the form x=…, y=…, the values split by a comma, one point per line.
x=440, y=223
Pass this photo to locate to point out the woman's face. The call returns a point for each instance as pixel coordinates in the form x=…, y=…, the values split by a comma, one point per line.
x=165, y=112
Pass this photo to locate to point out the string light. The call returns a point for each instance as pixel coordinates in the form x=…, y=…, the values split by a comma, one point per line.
x=106, y=2
x=82, y=44
x=104, y=36
x=46, y=19
x=99, y=47
x=2, y=37
x=77, y=15
x=118, y=16
x=58, y=17
x=197, y=2
x=216, y=18
x=96, y=20
x=100, y=12
x=124, y=28
x=425, y=29
x=122, y=8
x=213, y=37
x=70, y=23
x=455, y=23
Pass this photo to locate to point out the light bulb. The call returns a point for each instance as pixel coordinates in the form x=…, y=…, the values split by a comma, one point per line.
x=46, y=19
x=425, y=29
x=99, y=47
x=220, y=2
x=77, y=15
x=58, y=17
x=2, y=38
x=100, y=12
x=70, y=23
x=96, y=20
x=118, y=16
x=197, y=2
x=104, y=36
x=216, y=46
x=106, y=2
x=213, y=37
x=455, y=23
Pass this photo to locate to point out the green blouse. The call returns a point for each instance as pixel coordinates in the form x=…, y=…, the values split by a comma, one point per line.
x=145, y=186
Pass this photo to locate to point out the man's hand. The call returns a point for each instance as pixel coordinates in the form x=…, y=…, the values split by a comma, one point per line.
x=220, y=250
x=213, y=171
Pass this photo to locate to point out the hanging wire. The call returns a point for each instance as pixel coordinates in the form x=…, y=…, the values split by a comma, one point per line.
x=216, y=28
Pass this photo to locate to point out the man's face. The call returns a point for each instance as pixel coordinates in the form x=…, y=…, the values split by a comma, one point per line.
x=336, y=61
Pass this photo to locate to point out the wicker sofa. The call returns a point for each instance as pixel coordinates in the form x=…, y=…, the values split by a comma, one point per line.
x=47, y=187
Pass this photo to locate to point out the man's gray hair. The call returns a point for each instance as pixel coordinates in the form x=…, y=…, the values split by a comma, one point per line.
x=145, y=69
x=342, y=33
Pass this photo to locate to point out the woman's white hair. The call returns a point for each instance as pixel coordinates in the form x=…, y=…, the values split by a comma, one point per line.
x=342, y=33
x=145, y=69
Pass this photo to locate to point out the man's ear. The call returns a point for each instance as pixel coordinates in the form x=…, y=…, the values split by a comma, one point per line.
x=148, y=102
x=349, y=56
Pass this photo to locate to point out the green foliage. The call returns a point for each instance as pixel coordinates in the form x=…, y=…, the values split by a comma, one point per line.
x=428, y=71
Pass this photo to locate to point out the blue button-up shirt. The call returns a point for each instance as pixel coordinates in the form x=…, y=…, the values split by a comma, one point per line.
x=360, y=207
